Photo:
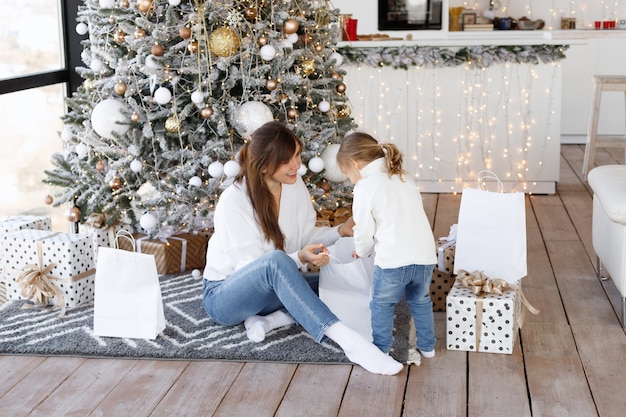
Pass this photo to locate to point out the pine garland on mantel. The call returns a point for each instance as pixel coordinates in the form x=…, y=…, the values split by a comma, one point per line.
x=479, y=56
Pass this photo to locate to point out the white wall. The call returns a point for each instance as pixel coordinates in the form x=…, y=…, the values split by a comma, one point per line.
x=551, y=11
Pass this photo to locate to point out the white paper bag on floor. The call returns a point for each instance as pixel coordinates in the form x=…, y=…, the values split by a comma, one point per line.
x=345, y=286
x=127, y=295
x=491, y=233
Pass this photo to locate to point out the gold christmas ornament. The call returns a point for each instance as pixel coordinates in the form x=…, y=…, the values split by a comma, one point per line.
x=184, y=32
x=120, y=88
x=120, y=36
x=250, y=13
x=292, y=113
x=206, y=112
x=192, y=47
x=134, y=117
x=283, y=98
x=262, y=40
x=139, y=33
x=115, y=184
x=341, y=88
x=73, y=214
x=48, y=199
x=290, y=26
x=307, y=67
x=144, y=5
x=306, y=38
x=124, y=4
x=157, y=50
x=324, y=185
x=100, y=166
x=172, y=124
x=271, y=84
x=343, y=111
x=224, y=41
x=319, y=48
x=336, y=76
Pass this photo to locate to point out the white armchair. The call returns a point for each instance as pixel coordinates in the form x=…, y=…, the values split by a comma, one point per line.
x=608, y=183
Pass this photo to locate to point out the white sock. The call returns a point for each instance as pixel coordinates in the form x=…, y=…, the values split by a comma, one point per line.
x=258, y=326
x=360, y=351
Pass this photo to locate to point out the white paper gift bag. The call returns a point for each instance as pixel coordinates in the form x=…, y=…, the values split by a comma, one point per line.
x=345, y=286
x=491, y=233
x=127, y=300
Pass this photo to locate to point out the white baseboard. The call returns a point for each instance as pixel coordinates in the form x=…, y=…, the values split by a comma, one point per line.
x=573, y=139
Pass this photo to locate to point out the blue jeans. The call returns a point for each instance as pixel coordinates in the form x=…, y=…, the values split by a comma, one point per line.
x=263, y=286
x=390, y=285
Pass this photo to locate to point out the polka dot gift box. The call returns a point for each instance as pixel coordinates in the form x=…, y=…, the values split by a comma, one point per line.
x=495, y=327
x=49, y=268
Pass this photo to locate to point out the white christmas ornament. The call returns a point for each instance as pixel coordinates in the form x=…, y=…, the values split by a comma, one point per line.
x=96, y=65
x=336, y=56
x=316, y=164
x=197, y=97
x=174, y=2
x=302, y=170
x=292, y=37
x=66, y=134
x=81, y=150
x=136, y=165
x=82, y=28
x=196, y=273
x=107, y=4
x=107, y=119
x=324, y=106
x=331, y=170
x=148, y=222
x=151, y=62
x=216, y=169
x=231, y=168
x=268, y=52
x=195, y=181
x=251, y=115
x=162, y=95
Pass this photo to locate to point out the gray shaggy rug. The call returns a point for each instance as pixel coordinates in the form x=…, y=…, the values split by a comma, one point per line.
x=189, y=334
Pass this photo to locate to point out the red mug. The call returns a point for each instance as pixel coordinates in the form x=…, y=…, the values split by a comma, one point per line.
x=351, y=29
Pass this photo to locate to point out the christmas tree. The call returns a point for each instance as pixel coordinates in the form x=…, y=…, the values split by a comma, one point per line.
x=171, y=91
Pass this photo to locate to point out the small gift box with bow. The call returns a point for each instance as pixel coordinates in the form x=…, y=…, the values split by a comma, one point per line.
x=483, y=315
x=102, y=233
x=443, y=276
x=49, y=268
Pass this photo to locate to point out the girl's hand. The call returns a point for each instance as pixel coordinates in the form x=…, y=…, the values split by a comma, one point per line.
x=346, y=229
x=315, y=254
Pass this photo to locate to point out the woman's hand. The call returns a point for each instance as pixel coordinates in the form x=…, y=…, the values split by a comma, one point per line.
x=315, y=254
x=347, y=228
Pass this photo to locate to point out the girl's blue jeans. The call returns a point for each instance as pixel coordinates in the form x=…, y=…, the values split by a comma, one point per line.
x=263, y=286
x=390, y=285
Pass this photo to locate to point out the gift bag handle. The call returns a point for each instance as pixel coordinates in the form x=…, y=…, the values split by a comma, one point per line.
x=485, y=175
x=125, y=234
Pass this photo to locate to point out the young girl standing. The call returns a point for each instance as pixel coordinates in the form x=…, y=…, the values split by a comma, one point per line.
x=390, y=221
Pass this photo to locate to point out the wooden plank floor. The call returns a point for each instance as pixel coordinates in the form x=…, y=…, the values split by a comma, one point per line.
x=570, y=360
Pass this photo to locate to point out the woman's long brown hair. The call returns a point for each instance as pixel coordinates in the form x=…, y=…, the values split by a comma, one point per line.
x=270, y=146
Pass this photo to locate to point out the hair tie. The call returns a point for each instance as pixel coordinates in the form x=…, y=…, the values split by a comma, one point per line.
x=382, y=146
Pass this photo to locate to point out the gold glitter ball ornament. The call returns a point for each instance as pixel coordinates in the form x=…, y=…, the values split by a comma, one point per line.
x=307, y=67
x=172, y=124
x=115, y=184
x=224, y=42
x=344, y=111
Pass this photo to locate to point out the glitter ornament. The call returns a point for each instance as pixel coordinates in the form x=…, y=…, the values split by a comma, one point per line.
x=172, y=124
x=307, y=67
x=115, y=184
x=224, y=42
x=344, y=111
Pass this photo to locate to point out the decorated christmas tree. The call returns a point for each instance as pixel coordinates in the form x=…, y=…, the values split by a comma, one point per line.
x=171, y=91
